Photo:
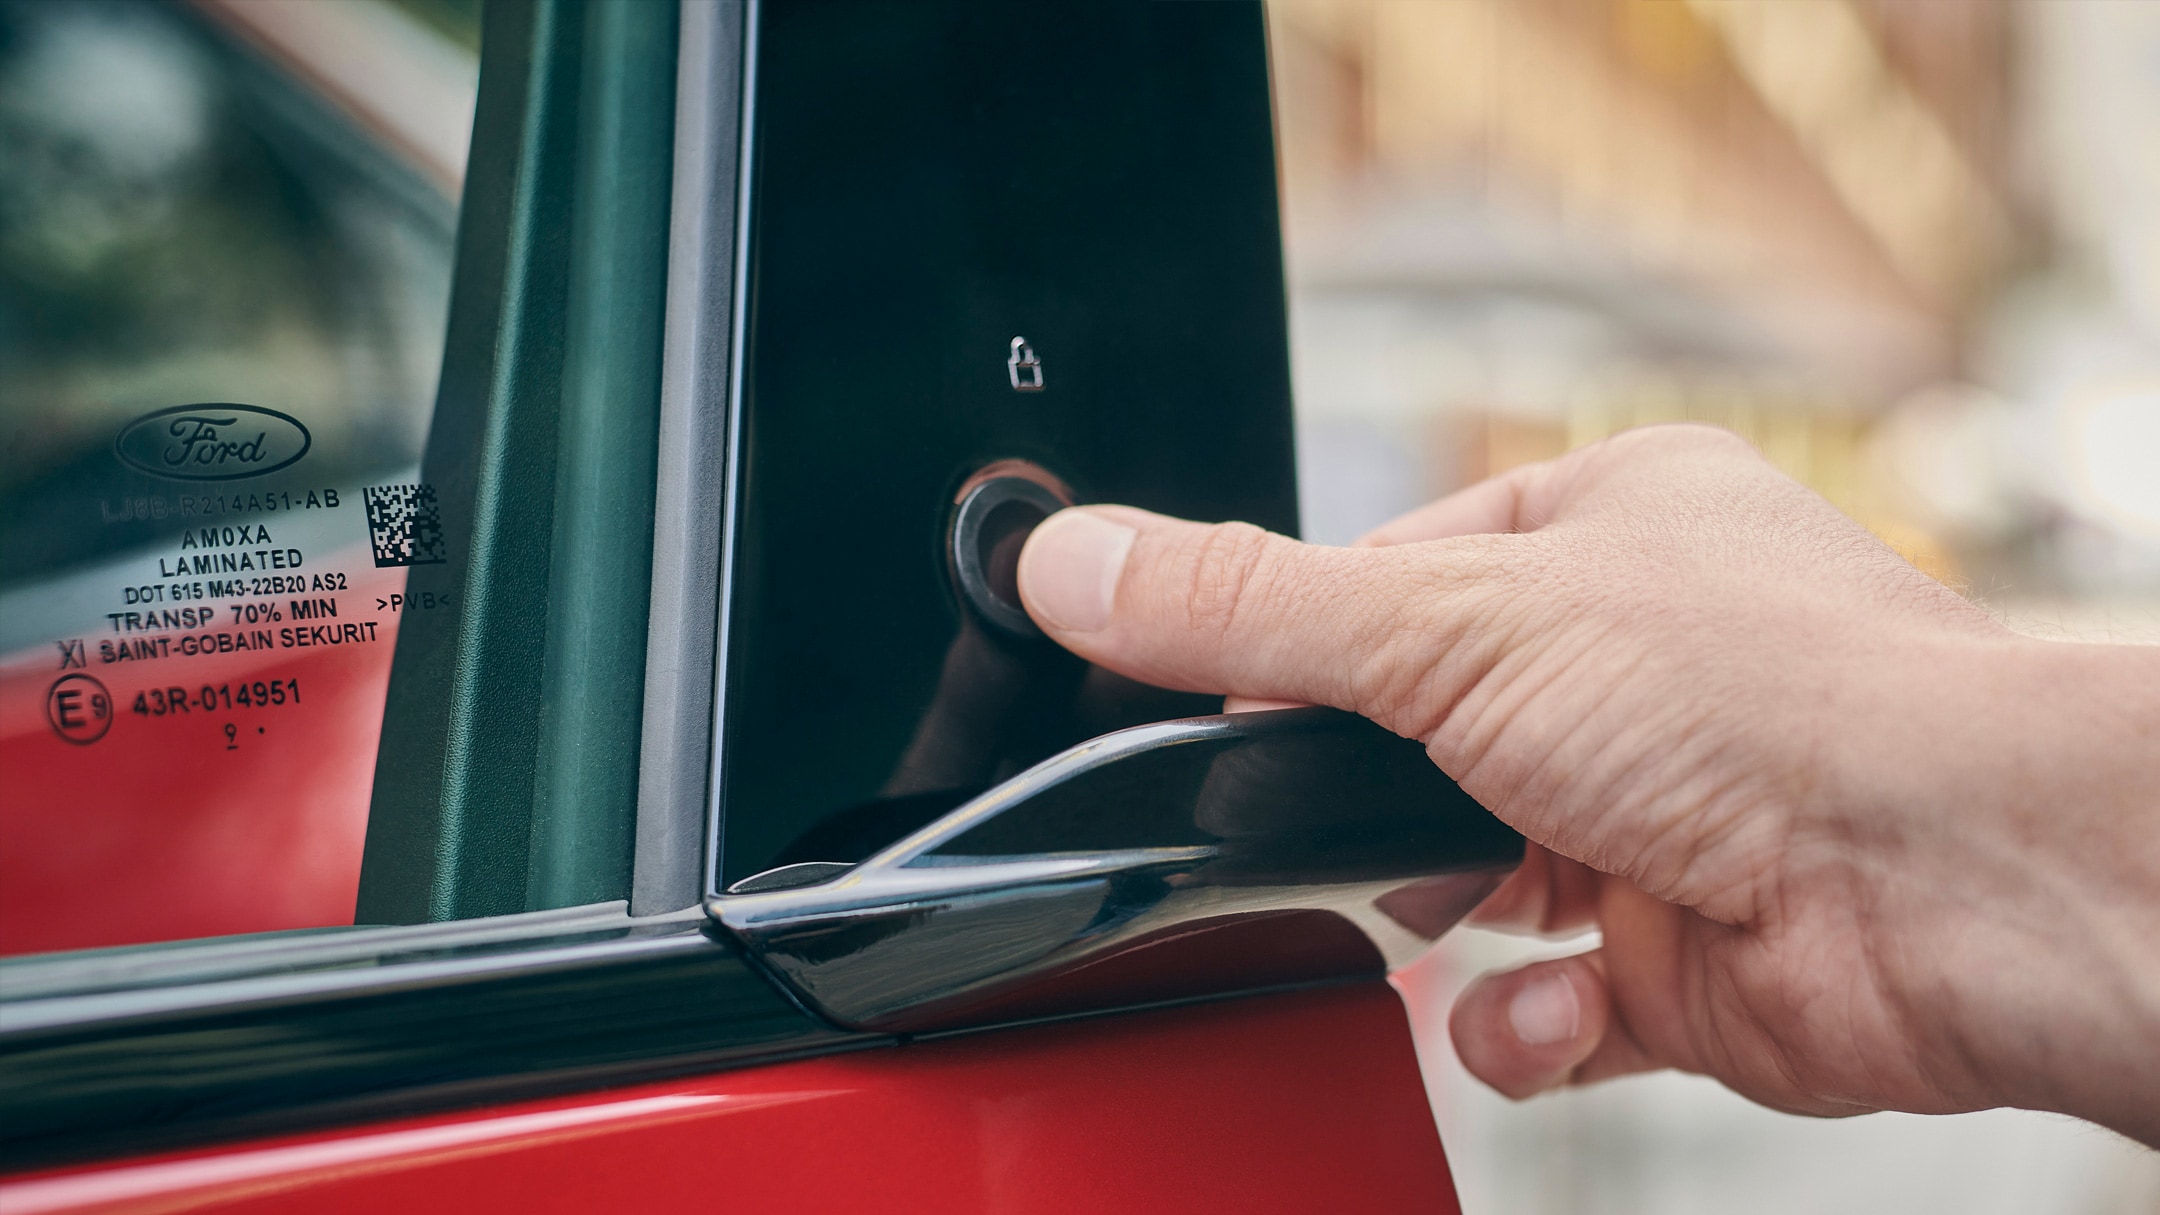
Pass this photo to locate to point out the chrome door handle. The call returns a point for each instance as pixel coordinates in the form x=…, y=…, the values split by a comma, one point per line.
x=1170, y=861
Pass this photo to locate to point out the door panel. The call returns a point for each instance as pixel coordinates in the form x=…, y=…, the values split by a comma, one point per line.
x=174, y=829
x=1307, y=1101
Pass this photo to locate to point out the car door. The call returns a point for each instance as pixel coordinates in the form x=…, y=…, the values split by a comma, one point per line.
x=625, y=782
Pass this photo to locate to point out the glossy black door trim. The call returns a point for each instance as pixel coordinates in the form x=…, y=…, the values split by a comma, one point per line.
x=904, y=226
x=1182, y=859
x=675, y=757
x=133, y=1072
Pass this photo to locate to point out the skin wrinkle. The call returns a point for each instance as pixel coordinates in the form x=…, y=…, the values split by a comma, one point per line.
x=1733, y=798
x=1508, y=637
x=1491, y=719
x=1645, y=760
x=1658, y=834
x=1963, y=1073
x=1463, y=663
x=1228, y=556
x=1838, y=1031
x=1645, y=779
x=1723, y=901
x=1604, y=794
x=1397, y=647
x=1880, y=1073
x=1783, y=1059
x=1620, y=790
x=1726, y=812
x=1720, y=1030
x=1320, y=604
x=1370, y=630
x=1730, y=1015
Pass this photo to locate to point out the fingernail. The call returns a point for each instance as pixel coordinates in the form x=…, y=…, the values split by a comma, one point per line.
x=1069, y=571
x=1545, y=1012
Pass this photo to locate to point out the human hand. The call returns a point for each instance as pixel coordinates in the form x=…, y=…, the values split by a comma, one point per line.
x=1851, y=845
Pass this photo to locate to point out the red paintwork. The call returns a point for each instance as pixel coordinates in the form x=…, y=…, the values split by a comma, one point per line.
x=1308, y=1102
x=156, y=831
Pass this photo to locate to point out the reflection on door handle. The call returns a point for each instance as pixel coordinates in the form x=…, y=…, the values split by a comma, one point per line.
x=1171, y=861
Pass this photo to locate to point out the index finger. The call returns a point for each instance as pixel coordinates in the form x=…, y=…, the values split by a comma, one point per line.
x=1518, y=500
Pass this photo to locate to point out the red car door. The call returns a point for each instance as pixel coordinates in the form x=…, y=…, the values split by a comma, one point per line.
x=1299, y=1102
x=629, y=781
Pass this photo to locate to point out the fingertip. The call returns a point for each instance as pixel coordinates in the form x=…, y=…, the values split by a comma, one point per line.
x=1070, y=566
x=1545, y=1012
x=1526, y=1031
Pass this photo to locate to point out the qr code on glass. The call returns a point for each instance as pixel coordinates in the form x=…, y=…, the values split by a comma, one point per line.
x=404, y=525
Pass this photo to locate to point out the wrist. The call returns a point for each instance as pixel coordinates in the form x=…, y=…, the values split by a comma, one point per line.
x=2039, y=802
x=2099, y=812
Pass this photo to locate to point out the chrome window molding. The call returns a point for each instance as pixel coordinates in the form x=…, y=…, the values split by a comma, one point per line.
x=334, y=1028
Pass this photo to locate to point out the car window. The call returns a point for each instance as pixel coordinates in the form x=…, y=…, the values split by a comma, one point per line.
x=225, y=274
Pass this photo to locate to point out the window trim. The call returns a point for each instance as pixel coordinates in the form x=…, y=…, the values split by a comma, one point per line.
x=700, y=384
x=537, y=1007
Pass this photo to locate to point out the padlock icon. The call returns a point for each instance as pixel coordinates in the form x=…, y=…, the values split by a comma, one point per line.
x=1023, y=368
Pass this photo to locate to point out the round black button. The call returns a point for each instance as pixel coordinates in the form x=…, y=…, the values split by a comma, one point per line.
x=989, y=527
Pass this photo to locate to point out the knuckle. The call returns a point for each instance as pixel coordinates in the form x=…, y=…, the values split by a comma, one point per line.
x=1670, y=455
x=1225, y=562
x=1458, y=679
x=1437, y=637
x=1695, y=438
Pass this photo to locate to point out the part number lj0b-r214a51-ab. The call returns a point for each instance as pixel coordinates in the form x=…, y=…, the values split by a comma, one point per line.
x=157, y=702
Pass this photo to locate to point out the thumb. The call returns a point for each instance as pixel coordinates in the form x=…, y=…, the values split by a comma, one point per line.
x=1230, y=608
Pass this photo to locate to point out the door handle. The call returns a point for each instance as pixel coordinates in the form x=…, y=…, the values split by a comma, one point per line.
x=1164, y=862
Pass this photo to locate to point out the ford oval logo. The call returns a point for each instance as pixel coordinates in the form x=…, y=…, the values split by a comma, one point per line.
x=212, y=442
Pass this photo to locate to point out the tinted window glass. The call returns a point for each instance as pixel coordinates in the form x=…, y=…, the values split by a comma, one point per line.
x=225, y=253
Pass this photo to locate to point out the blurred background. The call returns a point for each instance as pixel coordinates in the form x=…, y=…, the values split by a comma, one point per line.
x=1910, y=248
